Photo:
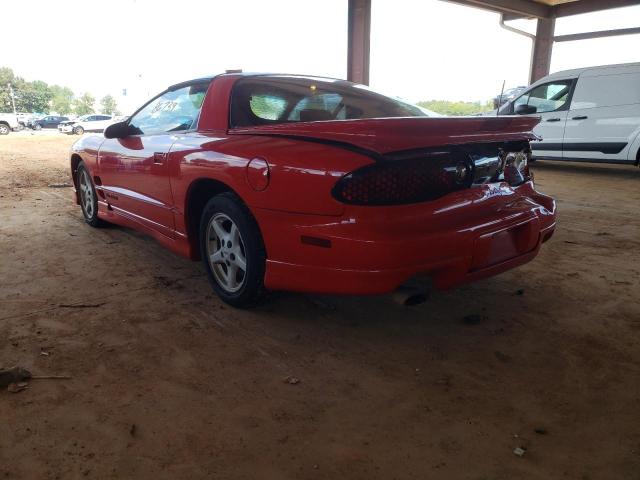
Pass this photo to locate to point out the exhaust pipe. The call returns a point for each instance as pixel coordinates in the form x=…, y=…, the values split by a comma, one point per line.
x=410, y=296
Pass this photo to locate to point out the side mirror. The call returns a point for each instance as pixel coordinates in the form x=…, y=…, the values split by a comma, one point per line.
x=117, y=130
x=525, y=109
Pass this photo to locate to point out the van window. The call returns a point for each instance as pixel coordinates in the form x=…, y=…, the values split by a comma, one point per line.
x=547, y=97
x=606, y=91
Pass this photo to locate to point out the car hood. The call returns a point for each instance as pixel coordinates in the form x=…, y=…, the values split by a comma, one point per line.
x=384, y=135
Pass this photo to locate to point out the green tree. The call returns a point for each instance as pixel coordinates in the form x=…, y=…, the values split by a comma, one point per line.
x=84, y=104
x=33, y=96
x=446, y=107
x=5, y=99
x=109, y=105
x=62, y=100
x=7, y=77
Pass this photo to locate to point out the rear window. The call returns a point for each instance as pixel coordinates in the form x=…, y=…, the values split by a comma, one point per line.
x=279, y=99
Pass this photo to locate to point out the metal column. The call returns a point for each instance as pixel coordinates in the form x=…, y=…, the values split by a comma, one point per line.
x=542, y=48
x=359, y=38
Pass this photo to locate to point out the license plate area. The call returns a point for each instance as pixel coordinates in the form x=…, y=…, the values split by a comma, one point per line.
x=496, y=247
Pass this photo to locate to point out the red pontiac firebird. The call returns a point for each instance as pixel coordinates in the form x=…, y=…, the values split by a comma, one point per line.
x=287, y=182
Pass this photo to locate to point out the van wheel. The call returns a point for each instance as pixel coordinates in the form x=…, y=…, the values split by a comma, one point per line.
x=233, y=251
x=4, y=129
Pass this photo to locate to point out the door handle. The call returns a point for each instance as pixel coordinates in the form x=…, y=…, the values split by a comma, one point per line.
x=553, y=119
x=158, y=157
x=580, y=117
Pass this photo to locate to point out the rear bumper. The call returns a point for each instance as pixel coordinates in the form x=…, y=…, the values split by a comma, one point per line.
x=466, y=237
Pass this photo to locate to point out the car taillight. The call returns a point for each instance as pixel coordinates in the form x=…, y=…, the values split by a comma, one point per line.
x=516, y=167
x=396, y=182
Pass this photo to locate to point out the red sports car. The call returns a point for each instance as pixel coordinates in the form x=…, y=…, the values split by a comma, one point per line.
x=287, y=182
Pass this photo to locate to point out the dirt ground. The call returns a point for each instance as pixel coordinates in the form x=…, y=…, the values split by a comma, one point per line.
x=168, y=383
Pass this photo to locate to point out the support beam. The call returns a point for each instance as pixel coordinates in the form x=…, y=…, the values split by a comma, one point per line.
x=516, y=8
x=588, y=6
x=359, y=32
x=560, y=10
x=542, y=48
x=602, y=33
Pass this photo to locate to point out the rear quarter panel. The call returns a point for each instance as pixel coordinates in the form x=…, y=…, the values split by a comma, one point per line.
x=302, y=174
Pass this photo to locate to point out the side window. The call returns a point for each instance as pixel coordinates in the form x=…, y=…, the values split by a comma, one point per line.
x=606, y=91
x=325, y=106
x=547, y=97
x=267, y=106
x=173, y=111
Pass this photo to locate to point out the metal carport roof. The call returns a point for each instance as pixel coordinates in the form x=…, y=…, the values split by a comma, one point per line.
x=545, y=11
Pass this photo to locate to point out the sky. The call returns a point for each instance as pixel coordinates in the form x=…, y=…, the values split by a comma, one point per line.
x=420, y=49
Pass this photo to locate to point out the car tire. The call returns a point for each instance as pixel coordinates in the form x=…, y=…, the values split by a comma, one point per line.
x=37, y=126
x=78, y=130
x=233, y=251
x=4, y=129
x=87, y=196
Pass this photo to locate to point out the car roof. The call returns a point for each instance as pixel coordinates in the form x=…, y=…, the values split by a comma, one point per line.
x=250, y=74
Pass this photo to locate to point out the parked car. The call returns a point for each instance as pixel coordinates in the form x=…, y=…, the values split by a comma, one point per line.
x=507, y=96
x=287, y=182
x=30, y=121
x=8, y=122
x=23, y=119
x=588, y=114
x=49, y=121
x=86, y=123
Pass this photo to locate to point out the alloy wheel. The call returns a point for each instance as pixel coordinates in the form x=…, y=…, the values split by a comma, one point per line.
x=226, y=252
x=86, y=195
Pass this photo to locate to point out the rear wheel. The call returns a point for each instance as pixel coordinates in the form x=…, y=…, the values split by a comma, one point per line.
x=4, y=129
x=78, y=130
x=88, y=197
x=232, y=251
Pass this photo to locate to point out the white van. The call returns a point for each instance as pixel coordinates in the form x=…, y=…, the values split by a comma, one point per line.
x=588, y=114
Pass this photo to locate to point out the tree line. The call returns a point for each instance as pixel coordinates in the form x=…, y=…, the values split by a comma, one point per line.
x=39, y=97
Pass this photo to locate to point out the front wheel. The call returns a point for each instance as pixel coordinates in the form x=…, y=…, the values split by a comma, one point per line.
x=4, y=129
x=88, y=197
x=78, y=130
x=37, y=126
x=232, y=251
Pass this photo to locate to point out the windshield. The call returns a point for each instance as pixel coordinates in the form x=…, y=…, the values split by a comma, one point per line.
x=284, y=99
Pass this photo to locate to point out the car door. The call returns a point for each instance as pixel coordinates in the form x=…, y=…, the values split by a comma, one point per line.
x=551, y=102
x=134, y=170
x=89, y=124
x=604, y=117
